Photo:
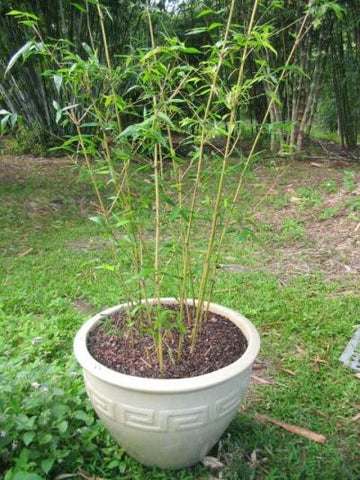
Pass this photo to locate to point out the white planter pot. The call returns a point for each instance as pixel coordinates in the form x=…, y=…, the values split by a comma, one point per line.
x=167, y=423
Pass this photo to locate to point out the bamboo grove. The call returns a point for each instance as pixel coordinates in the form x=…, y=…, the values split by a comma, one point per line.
x=324, y=71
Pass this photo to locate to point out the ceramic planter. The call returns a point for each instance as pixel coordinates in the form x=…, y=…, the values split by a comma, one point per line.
x=167, y=423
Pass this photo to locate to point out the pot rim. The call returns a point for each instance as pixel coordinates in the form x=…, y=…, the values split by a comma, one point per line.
x=176, y=385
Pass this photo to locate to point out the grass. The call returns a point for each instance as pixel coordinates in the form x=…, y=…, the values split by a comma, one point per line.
x=49, y=287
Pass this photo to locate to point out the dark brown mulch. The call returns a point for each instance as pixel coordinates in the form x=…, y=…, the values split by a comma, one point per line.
x=219, y=344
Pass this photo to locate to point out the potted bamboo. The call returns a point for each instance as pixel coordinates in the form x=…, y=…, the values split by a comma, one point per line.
x=163, y=407
x=165, y=374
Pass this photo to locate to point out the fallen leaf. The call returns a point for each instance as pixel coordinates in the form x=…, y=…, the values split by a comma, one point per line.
x=212, y=462
x=286, y=370
x=64, y=476
x=258, y=366
x=315, y=437
x=263, y=381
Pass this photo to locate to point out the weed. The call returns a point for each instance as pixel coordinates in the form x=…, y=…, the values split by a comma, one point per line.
x=330, y=212
x=349, y=180
x=330, y=186
x=309, y=197
x=353, y=204
x=279, y=201
x=291, y=229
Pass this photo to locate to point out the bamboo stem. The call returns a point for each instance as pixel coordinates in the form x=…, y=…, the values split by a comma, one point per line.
x=215, y=216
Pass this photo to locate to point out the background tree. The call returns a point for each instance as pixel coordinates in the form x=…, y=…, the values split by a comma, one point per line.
x=324, y=63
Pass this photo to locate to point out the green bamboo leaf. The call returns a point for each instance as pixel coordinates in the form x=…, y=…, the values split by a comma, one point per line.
x=190, y=50
x=4, y=122
x=20, y=14
x=15, y=13
x=79, y=7
x=130, y=131
x=58, y=79
x=268, y=45
x=28, y=23
x=87, y=49
x=274, y=97
x=214, y=25
x=204, y=13
x=69, y=107
x=166, y=119
x=13, y=118
x=196, y=31
x=25, y=48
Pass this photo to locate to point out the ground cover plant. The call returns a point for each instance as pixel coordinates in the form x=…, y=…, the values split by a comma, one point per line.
x=299, y=288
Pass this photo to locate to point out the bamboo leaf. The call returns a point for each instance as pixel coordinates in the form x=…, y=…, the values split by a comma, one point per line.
x=79, y=7
x=190, y=50
x=20, y=14
x=13, y=118
x=196, y=31
x=25, y=48
x=204, y=13
x=274, y=97
x=58, y=82
x=4, y=122
x=28, y=23
x=165, y=119
x=130, y=131
x=214, y=25
x=58, y=116
x=87, y=49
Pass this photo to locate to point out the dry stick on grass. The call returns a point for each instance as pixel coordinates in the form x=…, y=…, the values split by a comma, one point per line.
x=355, y=418
x=315, y=437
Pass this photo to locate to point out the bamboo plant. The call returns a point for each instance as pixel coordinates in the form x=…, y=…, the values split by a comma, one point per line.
x=162, y=120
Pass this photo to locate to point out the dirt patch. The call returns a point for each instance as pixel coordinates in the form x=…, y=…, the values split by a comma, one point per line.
x=82, y=305
x=331, y=224
x=21, y=167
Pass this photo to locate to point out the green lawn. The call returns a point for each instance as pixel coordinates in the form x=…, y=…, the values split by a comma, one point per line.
x=295, y=277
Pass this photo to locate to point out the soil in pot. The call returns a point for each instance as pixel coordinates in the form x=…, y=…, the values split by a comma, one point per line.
x=132, y=352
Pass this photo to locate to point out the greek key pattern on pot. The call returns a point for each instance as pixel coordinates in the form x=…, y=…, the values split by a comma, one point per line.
x=165, y=420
